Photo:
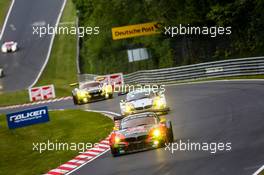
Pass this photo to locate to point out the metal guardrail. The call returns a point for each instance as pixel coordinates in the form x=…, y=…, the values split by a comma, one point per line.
x=224, y=68
x=216, y=69
x=86, y=77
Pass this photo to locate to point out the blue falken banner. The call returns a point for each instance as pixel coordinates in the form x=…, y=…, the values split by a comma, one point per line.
x=27, y=117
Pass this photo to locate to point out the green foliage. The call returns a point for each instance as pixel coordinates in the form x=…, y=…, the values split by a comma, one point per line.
x=100, y=54
x=4, y=5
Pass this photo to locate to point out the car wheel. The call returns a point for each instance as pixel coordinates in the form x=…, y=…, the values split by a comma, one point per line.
x=2, y=73
x=170, y=137
x=107, y=96
x=114, y=152
x=75, y=100
x=110, y=95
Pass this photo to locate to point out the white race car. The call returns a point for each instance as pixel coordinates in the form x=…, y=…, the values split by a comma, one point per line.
x=144, y=101
x=10, y=46
x=1, y=72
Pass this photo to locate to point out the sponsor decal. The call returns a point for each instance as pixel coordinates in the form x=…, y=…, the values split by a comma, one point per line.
x=27, y=117
x=136, y=30
x=214, y=70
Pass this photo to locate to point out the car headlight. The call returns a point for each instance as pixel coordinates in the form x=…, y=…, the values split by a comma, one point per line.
x=13, y=48
x=108, y=89
x=81, y=94
x=156, y=133
x=117, y=139
x=129, y=107
x=4, y=49
x=159, y=102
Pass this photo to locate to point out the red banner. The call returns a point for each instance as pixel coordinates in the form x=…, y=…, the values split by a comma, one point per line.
x=41, y=93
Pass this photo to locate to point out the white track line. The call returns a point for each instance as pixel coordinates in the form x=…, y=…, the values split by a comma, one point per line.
x=259, y=170
x=84, y=156
x=6, y=19
x=106, y=113
x=50, y=46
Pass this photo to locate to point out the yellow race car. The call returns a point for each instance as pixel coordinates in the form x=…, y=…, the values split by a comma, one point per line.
x=91, y=91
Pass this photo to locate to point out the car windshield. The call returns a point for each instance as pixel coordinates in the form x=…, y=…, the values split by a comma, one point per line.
x=89, y=85
x=139, y=95
x=138, y=121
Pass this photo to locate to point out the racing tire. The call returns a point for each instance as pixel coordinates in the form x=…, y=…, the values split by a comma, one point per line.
x=109, y=96
x=114, y=152
x=75, y=100
x=170, y=137
x=2, y=74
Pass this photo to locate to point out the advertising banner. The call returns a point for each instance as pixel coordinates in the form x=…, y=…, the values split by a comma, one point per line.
x=135, y=30
x=116, y=79
x=41, y=93
x=111, y=79
x=27, y=117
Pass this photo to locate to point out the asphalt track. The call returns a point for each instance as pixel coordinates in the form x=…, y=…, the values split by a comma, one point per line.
x=22, y=67
x=207, y=112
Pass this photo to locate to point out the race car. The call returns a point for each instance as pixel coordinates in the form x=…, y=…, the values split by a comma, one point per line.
x=91, y=91
x=143, y=101
x=1, y=72
x=139, y=132
x=10, y=46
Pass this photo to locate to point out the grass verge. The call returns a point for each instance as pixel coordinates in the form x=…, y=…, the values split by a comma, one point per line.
x=61, y=68
x=70, y=126
x=243, y=77
x=13, y=98
x=4, y=5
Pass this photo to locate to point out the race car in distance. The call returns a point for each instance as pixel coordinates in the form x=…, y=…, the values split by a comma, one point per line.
x=10, y=46
x=139, y=132
x=143, y=101
x=91, y=91
x=1, y=72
